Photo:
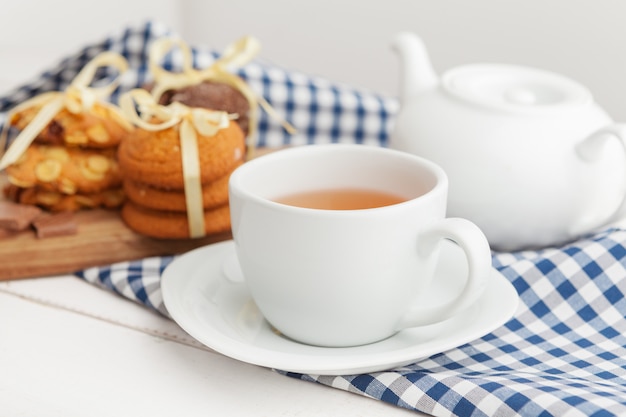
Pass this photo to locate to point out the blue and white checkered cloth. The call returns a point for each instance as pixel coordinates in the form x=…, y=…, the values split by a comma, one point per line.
x=562, y=354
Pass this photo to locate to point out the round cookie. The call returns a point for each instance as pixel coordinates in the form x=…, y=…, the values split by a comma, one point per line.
x=172, y=225
x=213, y=194
x=154, y=158
x=66, y=170
x=99, y=128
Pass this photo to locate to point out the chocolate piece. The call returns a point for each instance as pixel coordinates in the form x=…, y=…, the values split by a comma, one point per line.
x=58, y=224
x=16, y=217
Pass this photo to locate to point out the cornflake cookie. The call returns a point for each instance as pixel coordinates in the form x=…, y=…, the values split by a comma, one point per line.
x=154, y=157
x=99, y=128
x=172, y=225
x=66, y=170
x=55, y=201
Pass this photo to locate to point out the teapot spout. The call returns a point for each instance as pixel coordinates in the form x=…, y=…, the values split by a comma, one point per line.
x=416, y=71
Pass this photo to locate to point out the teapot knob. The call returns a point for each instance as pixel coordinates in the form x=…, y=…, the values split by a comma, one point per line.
x=521, y=96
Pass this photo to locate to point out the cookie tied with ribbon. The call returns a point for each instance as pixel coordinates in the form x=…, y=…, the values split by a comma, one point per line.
x=79, y=98
x=176, y=167
x=216, y=87
x=63, y=158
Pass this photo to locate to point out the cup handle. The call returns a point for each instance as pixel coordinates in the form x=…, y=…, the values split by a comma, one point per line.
x=478, y=254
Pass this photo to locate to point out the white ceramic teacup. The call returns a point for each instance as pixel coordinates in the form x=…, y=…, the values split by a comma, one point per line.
x=337, y=278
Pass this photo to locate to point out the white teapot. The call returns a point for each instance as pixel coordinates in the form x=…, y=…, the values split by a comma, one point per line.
x=531, y=159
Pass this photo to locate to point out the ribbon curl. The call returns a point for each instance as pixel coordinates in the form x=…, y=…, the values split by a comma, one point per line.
x=235, y=55
x=77, y=98
x=142, y=109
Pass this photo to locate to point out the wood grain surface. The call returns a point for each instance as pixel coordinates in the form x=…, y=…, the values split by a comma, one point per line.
x=102, y=239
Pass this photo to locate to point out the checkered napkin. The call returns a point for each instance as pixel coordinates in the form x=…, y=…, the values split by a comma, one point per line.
x=562, y=354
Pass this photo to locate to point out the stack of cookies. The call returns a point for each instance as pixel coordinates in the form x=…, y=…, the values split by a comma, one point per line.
x=152, y=169
x=72, y=162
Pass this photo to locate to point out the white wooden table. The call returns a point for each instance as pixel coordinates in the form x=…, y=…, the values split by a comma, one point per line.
x=68, y=348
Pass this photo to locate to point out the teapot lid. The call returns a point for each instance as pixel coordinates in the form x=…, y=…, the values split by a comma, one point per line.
x=514, y=88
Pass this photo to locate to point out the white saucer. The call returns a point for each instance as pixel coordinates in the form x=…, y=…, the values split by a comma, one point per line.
x=209, y=301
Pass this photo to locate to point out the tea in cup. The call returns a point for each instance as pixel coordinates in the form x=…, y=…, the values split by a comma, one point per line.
x=338, y=242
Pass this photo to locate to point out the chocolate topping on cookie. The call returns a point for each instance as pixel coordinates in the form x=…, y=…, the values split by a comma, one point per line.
x=214, y=96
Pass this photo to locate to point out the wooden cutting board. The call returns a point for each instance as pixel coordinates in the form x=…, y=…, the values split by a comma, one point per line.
x=102, y=239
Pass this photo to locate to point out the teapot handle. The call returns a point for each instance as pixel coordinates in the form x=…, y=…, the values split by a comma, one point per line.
x=590, y=148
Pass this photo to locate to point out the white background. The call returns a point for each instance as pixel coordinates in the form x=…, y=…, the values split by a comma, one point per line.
x=345, y=40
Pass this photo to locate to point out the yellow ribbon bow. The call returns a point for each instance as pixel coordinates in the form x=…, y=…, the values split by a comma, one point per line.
x=237, y=54
x=142, y=109
x=77, y=98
